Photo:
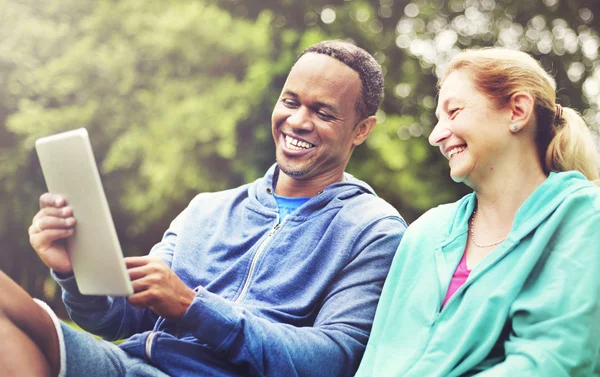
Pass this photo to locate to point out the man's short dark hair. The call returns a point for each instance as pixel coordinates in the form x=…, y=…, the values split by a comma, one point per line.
x=363, y=63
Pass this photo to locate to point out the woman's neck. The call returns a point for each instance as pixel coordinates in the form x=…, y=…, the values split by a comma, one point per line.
x=501, y=196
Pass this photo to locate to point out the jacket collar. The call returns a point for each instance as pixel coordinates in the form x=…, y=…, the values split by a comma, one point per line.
x=537, y=207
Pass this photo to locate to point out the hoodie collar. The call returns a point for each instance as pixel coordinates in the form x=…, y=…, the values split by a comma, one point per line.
x=262, y=190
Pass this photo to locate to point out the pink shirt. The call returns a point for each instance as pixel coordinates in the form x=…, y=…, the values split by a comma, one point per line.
x=458, y=279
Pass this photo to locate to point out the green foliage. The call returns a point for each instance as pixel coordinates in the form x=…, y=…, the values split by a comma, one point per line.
x=161, y=88
x=177, y=95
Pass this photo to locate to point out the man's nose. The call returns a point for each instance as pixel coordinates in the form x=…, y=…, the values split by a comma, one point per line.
x=439, y=134
x=300, y=120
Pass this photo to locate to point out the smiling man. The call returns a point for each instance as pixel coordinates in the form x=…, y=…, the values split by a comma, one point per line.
x=319, y=119
x=280, y=277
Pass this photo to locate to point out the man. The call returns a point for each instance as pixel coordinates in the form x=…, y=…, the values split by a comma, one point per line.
x=280, y=277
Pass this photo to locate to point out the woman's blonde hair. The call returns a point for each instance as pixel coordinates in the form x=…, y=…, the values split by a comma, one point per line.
x=563, y=139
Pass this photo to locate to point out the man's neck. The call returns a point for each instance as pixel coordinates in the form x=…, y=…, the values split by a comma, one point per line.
x=292, y=187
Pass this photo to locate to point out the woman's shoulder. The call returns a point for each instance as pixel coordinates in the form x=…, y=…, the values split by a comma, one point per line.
x=580, y=192
x=444, y=216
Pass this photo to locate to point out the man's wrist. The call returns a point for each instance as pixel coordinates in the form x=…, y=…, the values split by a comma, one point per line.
x=185, y=300
x=63, y=275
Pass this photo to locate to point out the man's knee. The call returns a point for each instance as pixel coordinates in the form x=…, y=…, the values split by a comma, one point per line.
x=19, y=354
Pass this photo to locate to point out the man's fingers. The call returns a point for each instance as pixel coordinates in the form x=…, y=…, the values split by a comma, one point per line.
x=137, y=273
x=41, y=240
x=141, y=285
x=50, y=223
x=63, y=212
x=137, y=301
x=132, y=262
x=142, y=299
x=51, y=200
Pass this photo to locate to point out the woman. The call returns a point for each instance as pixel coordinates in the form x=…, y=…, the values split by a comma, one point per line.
x=506, y=281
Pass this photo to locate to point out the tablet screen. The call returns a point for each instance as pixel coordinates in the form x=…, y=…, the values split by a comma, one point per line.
x=70, y=170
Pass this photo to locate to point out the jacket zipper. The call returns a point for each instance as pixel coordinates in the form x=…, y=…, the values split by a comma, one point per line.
x=453, y=298
x=260, y=250
x=472, y=276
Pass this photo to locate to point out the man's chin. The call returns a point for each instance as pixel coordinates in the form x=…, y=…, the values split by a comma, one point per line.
x=292, y=171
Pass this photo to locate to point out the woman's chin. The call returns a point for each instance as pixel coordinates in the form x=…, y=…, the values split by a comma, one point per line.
x=457, y=176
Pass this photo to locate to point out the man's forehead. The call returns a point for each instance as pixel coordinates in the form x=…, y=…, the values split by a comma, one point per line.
x=323, y=65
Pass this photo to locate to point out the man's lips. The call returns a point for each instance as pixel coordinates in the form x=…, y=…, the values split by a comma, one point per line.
x=294, y=143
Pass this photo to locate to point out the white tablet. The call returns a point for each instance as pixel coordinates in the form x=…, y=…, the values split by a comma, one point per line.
x=70, y=170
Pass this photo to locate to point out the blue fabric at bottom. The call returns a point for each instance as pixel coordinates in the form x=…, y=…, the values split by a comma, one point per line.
x=91, y=357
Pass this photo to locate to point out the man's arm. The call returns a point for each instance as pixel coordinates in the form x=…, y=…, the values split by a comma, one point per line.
x=115, y=317
x=331, y=347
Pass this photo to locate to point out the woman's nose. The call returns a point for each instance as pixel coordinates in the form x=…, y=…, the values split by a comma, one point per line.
x=439, y=134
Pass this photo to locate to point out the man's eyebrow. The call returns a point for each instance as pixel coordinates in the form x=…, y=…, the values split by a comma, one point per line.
x=290, y=93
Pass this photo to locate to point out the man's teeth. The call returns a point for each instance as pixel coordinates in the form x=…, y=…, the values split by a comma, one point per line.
x=296, y=144
x=454, y=151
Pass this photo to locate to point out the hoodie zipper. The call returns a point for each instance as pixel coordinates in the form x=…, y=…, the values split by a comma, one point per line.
x=259, y=252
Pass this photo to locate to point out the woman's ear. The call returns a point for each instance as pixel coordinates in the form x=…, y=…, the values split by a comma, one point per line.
x=363, y=129
x=521, y=105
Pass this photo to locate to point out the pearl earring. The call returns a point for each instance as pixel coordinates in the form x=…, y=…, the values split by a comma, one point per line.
x=514, y=128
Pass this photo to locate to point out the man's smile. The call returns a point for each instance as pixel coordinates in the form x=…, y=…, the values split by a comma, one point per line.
x=294, y=144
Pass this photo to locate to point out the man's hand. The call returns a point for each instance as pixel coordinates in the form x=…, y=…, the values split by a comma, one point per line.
x=50, y=226
x=156, y=286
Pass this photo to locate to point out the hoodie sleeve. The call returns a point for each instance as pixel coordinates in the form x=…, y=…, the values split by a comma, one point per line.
x=110, y=317
x=556, y=318
x=331, y=347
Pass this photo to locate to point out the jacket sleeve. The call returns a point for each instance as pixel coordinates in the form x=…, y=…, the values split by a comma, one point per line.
x=110, y=317
x=331, y=347
x=556, y=318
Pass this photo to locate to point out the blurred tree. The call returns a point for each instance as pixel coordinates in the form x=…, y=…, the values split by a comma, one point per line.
x=413, y=40
x=161, y=88
x=177, y=95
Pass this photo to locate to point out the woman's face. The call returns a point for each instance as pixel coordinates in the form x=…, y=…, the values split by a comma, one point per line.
x=472, y=133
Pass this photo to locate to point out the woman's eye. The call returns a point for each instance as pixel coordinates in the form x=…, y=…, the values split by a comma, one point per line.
x=453, y=112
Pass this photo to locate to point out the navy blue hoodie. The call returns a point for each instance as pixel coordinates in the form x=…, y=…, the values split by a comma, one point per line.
x=275, y=297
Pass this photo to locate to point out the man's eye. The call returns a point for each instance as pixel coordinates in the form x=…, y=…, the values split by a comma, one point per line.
x=288, y=102
x=323, y=115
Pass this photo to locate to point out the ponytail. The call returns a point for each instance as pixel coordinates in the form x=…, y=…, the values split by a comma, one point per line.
x=573, y=147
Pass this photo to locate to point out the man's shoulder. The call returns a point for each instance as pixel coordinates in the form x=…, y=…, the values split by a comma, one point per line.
x=369, y=203
x=212, y=196
x=365, y=209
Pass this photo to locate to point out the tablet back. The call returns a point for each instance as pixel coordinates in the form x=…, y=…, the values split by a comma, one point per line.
x=70, y=170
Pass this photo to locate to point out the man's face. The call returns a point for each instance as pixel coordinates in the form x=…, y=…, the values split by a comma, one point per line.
x=314, y=121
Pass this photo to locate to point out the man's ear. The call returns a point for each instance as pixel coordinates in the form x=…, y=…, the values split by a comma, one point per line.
x=522, y=107
x=363, y=129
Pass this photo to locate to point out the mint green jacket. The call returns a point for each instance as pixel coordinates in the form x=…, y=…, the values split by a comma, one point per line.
x=530, y=308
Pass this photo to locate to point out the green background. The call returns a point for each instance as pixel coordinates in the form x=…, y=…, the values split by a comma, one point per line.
x=177, y=95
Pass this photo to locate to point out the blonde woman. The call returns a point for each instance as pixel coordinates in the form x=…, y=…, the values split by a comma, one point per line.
x=506, y=281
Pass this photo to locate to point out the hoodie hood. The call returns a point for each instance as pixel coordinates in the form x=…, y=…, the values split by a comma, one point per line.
x=542, y=202
x=332, y=196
